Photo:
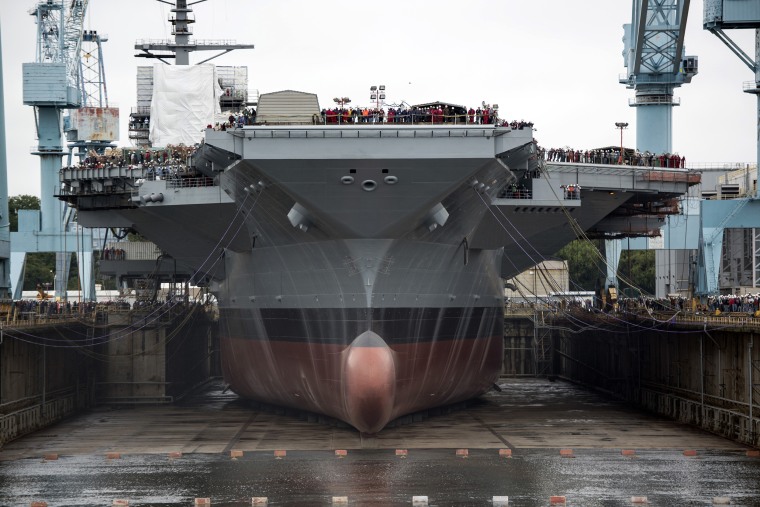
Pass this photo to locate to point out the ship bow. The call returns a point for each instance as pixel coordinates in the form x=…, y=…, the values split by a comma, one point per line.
x=369, y=383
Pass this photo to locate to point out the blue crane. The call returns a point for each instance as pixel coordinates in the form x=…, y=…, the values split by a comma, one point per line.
x=654, y=57
x=717, y=216
x=51, y=84
x=654, y=48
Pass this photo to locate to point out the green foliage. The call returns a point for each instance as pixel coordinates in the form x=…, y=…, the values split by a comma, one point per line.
x=585, y=266
x=18, y=202
x=73, y=283
x=638, y=267
x=39, y=270
x=587, y=269
x=41, y=266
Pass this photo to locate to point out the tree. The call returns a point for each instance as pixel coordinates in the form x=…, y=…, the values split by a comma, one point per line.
x=638, y=268
x=19, y=202
x=586, y=268
x=39, y=270
x=40, y=266
x=584, y=264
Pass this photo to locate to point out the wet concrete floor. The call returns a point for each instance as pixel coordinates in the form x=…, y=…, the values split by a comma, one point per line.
x=533, y=418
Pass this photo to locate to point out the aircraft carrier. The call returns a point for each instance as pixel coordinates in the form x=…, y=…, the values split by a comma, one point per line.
x=359, y=268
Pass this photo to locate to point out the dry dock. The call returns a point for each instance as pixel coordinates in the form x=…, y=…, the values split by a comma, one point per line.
x=533, y=419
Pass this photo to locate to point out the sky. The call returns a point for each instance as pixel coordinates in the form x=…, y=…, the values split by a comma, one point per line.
x=553, y=62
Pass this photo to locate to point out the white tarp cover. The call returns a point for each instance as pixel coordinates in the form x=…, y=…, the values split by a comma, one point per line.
x=185, y=99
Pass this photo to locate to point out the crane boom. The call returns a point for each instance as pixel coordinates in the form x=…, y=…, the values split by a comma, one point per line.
x=72, y=39
x=59, y=35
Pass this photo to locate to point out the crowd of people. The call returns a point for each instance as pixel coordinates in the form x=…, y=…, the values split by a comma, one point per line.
x=731, y=303
x=30, y=309
x=515, y=191
x=432, y=114
x=612, y=156
x=745, y=303
x=26, y=309
x=114, y=254
x=571, y=192
x=236, y=120
x=173, y=161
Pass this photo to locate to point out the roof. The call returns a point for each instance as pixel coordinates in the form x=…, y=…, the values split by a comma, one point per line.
x=287, y=106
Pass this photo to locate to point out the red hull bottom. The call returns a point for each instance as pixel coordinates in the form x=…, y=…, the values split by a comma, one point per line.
x=367, y=384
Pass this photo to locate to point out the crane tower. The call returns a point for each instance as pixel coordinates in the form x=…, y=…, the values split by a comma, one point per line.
x=656, y=67
x=51, y=84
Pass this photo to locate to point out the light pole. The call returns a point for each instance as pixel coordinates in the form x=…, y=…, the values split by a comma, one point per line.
x=340, y=102
x=622, y=126
x=377, y=93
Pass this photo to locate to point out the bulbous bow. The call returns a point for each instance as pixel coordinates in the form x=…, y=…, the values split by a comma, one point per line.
x=369, y=383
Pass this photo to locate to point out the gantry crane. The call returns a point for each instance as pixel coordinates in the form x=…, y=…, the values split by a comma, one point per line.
x=52, y=84
x=717, y=216
x=654, y=58
x=654, y=48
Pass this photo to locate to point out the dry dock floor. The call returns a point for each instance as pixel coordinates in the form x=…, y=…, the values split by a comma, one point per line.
x=178, y=455
x=528, y=413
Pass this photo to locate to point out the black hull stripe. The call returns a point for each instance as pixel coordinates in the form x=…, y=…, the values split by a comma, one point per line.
x=340, y=326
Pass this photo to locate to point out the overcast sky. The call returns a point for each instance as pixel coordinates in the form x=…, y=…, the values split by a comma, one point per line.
x=553, y=62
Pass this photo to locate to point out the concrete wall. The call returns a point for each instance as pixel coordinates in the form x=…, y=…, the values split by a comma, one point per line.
x=192, y=353
x=138, y=359
x=40, y=385
x=154, y=357
x=519, y=348
x=690, y=375
x=133, y=364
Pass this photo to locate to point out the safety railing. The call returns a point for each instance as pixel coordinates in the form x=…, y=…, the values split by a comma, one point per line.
x=375, y=131
x=22, y=320
x=625, y=170
x=722, y=166
x=189, y=182
x=658, y=100
x=191, y=42
x=384, y=118
x=27, y=419
x=699, y=319
x=141, y=111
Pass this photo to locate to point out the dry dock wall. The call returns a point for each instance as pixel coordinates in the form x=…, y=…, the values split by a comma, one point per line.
x=154, y=356
x=697, y=371
x=50, y=371
x=44, y=377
